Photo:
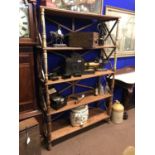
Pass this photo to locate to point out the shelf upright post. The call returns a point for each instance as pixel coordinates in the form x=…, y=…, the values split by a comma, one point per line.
x=44, y=44
x=115, y=67
x=116, y=44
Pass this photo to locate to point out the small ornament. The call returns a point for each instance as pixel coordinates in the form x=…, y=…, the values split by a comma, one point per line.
x=57, y=38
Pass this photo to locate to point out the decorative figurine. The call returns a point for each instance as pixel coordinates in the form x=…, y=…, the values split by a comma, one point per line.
x=57, y=38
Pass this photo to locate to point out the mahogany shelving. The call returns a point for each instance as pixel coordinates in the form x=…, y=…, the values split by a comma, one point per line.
x=60, y=128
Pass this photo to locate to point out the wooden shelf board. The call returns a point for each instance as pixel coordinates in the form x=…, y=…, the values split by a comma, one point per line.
x=96, y=74
x=68, y=13
x=75, y=48
x=63, y=127
x=51, y=49
x=88, y=99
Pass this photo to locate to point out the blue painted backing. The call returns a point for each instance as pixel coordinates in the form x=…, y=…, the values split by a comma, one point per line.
x=124, y=4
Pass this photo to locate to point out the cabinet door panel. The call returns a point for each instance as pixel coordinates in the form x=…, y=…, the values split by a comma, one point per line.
x=26, y=85
x=26, y=81
x=33, y=148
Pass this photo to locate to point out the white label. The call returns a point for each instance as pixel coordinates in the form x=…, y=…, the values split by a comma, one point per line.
x=28, y=140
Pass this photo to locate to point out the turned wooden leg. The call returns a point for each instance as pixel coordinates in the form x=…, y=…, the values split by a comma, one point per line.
x=127, y=97
x=49, y=146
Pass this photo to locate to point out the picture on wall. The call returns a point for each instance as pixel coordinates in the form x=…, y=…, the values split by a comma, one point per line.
x=85, y=6
x=126, y=35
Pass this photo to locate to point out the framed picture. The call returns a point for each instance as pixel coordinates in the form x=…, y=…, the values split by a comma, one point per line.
x=126, y=35
x=84, y=6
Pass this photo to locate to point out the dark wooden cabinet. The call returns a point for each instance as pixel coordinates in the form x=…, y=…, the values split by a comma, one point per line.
x=28, y=107
x=27, y=40
x=27, y=100
x=29, y=137
x=128, y=95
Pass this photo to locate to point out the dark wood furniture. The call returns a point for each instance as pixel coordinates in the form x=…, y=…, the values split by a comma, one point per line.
x=58, y=129
x=27, y=94
x=27, y=99
x=128, y=96
x=29, y=137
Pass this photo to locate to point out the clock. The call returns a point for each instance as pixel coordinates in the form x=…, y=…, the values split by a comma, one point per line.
x=23, y=21
x=26, y=22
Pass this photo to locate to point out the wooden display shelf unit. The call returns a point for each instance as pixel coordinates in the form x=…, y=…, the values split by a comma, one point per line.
x=64, y=128
x=57, y=129
x=87, y=100
x=96, y=74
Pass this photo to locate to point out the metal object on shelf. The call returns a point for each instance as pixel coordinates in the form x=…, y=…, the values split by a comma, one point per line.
x=78, y=98
x=102, y=32
x=53, y=76
x=58, y=102
x=95, y=65
x=74, y=65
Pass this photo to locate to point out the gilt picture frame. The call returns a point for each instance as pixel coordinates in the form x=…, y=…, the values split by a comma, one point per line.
x=83, y=6
x=126, y=35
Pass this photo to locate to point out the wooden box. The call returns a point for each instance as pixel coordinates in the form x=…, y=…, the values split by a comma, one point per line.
x=84, y=39
x=29, y=137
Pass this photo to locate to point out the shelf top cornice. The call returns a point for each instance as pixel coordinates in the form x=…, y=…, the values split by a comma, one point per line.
x=73, y=14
